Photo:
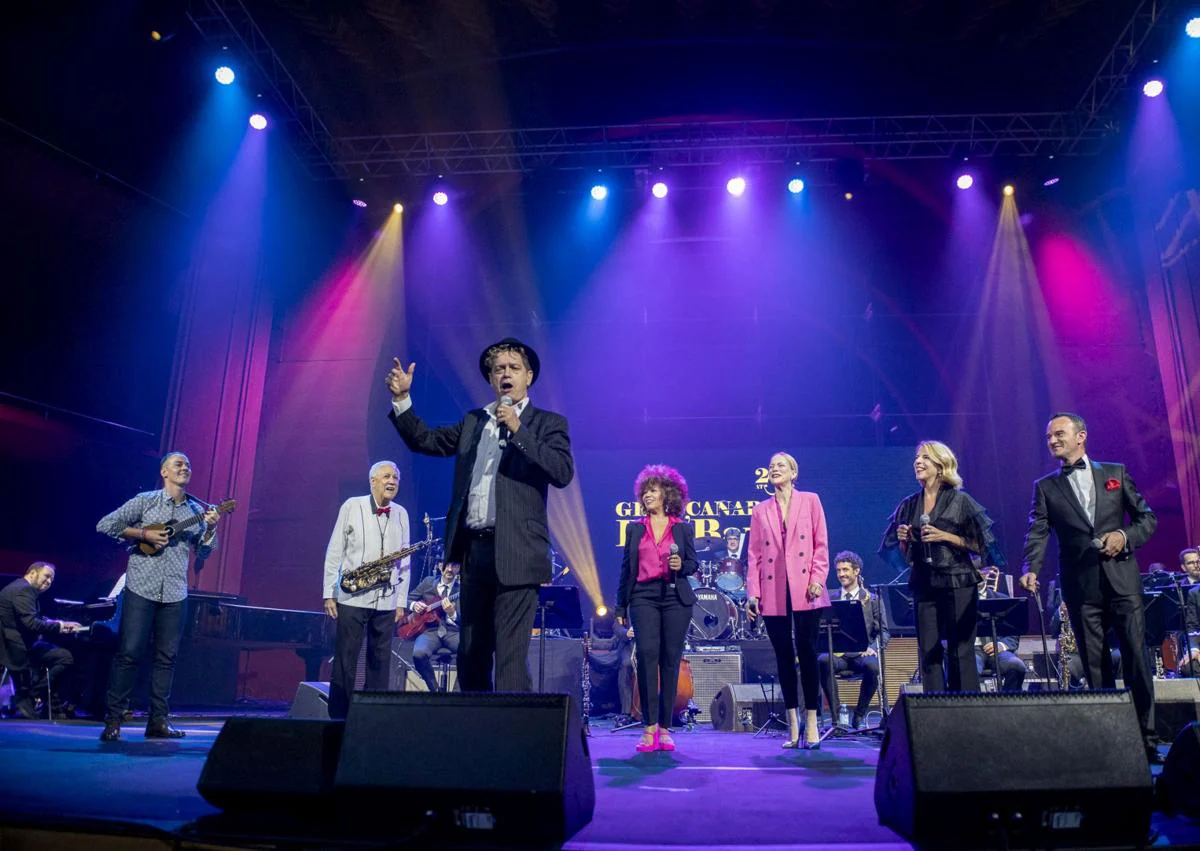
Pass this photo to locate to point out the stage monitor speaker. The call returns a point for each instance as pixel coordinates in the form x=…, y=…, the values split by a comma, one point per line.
x=515, y=768
x=1179, y=783
x=1176, y=704
x=744, y=707
x=1022, y=770
x=272, y=764
x=311, y=702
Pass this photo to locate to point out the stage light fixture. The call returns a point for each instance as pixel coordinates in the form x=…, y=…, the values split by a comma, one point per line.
x=225, y=75
x=601, y=611
x=795, y=186
x=736, y=186
x=1192, y=28
x=441, y=198
x=359, y=202
x=659, y=190
x=849, y=196
x=1009, y=189
x=397, y=207
x=258, y=121
x=1051, y=181
x=1153, y=88
x=964, y=181
x=599, y=192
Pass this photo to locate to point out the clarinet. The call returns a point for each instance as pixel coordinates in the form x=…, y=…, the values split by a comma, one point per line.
x=587, y=681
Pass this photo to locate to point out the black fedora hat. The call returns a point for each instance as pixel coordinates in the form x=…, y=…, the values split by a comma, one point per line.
x=535, y=362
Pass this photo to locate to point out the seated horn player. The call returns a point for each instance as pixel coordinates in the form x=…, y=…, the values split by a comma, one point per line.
x=367, y=529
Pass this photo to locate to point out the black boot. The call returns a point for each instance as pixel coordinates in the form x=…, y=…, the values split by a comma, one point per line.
x=162, y=730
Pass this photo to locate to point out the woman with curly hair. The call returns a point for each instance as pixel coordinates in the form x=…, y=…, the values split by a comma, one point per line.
x=785, y=583
x=935, y=531
x=660, y=552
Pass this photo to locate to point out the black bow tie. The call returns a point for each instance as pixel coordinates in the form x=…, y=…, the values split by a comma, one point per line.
x=1078, y=465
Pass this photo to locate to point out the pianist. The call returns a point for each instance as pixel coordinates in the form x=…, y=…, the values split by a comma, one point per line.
x=25, y=633
x=155, y=591
x=367, y=528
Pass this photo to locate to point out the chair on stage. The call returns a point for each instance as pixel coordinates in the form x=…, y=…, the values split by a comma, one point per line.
x=441, y=660
x=22, y=678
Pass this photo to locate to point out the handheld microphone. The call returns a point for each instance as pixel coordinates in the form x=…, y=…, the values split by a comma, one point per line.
x=674, y=552
x=507, y=402
x=924, y=546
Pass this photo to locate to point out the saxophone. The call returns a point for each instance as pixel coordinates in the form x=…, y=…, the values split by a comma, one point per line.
x=373, y=574
x=1066, y=648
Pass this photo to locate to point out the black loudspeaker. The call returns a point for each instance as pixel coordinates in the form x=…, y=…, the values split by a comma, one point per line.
x=744, y=707
x=311, y=702
x=1176, y=704
x=1179, y=783
x=503, y=768
x=1045, y=769
x=272, y=764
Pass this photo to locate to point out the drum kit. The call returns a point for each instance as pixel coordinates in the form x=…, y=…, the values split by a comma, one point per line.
x=720, y=610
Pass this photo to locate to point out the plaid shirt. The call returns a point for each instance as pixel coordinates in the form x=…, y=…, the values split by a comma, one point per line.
x=163, y=577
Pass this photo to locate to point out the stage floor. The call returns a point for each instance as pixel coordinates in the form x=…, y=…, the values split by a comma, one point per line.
x=718, y=790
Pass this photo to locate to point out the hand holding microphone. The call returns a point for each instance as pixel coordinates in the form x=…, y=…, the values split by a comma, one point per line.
x=924, y=546
x=674, y=562
x=507, y=419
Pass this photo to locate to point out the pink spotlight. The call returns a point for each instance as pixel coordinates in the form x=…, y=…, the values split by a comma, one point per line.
x=441, y=198
x=659, y=190
x=359, y=202
x=258, y=121
x=736, y=186
x=965, y=181
x=1153, y=88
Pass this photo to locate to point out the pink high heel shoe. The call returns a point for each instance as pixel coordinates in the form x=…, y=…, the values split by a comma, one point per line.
x=642, y=747
x=665, y=742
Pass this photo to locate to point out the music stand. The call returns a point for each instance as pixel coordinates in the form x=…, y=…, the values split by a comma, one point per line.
x=1001, y=611
x=558, y=608
x=1155, y=605
x=845, y=619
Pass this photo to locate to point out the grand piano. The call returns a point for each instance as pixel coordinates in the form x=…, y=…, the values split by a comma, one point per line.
x=224, y=621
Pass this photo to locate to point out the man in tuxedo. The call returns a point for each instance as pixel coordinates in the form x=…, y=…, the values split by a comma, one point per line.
x=848, y=567
x=1085, y=503
x=440, y=590
x=507, y=454
x=24, y=632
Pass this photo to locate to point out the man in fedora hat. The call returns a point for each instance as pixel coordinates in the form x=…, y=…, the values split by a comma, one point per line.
x=507, y=454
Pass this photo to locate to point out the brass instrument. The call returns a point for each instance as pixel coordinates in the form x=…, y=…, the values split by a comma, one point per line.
x=373, y=574
x=1066, y=647
x=990, y=581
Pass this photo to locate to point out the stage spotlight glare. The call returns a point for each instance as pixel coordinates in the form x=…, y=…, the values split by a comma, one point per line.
x=736, y=186
x=601, y=611
x=397, y=207
x=359, y=202
x=258, y=121
x=1009, y=189
x=224, y=75
x=1051, y=181
x=155, y=35
x=1192, y=28
x=1153, y=88
x=795, y=186
x=441, y=198
x=849, y=196
x=599, y=192
x=659, y=190
x=964, y=181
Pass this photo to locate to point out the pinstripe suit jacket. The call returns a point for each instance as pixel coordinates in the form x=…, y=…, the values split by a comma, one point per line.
x=538, y=455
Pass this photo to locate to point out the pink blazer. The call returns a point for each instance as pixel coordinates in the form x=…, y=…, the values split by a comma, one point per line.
x=806, y=560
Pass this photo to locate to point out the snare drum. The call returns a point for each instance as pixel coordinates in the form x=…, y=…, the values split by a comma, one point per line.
x=730, y=576
x=714, y=616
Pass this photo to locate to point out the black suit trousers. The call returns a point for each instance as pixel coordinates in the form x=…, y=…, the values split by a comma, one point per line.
x=948, y=613
x=351, y=621
x=496, y=622
x=660, y=623
x=1125, y=615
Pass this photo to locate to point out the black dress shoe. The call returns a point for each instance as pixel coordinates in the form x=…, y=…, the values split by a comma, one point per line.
x=111, y=733
x=163, y=730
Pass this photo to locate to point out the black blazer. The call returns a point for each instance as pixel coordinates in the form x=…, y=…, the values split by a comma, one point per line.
x=537, y=455
x=21, y=621
x=685, y=537
x=1056, y=507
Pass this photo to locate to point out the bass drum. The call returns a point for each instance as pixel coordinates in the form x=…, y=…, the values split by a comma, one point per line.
x=714, y=617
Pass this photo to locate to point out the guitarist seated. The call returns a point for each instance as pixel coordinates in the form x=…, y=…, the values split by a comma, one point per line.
x=434, y=619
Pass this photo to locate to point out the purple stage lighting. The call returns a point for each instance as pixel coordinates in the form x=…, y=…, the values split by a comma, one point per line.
x=224, y=75
x=258, y=121
x=795, y=186
x=736, y=186
x=599, y=192
x=964, y=181
x=1192, y=28
x=1153, y=88
x=441, y=198
x=359, y=202
x=1051, y=181
x=659, y=190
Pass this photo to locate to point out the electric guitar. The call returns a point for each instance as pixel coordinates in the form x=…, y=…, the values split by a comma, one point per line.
x=174, y=527
x=414, y=624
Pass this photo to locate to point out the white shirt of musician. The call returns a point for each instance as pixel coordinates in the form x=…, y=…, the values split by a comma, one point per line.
x=361, y=536
x=445, y=592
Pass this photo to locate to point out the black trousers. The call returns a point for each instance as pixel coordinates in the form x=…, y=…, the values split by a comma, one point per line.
x=428, y=643
x=351, y=621
x=660, y=624
x=948, y=613
x=807, y=628
x=144, y=621
x=495, y=623
x=1012, y=669
x=866, y=666
x=1125, y=616
x=1078, y=679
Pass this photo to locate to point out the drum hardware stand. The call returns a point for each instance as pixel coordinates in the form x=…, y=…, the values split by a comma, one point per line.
x=772, y=715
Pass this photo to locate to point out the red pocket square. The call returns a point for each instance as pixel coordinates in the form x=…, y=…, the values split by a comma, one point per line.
x=1112, y=485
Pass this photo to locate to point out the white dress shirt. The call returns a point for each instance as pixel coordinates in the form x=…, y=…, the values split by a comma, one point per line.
x=360, y=536
x=1083, y=483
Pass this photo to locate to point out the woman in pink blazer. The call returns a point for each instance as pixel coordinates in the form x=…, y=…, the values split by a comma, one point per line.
x=785, y=583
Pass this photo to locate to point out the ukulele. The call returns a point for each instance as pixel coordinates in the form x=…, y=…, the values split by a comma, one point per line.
x=174, y=527
x=414, y=624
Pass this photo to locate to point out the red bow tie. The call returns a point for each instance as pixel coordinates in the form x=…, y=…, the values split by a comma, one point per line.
x=387, y=511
